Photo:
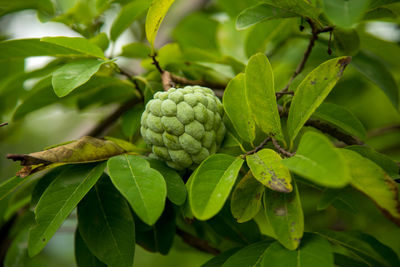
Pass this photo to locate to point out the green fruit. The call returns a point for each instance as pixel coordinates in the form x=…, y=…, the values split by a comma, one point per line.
x=183, y=126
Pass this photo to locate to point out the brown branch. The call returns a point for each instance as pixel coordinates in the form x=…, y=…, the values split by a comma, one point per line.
x=257, y=148
x=3, y=124
x=280, y=149
x=196, y=242
x=113, y=117
x=156, y=63
x=314, y=37
x=184, y=81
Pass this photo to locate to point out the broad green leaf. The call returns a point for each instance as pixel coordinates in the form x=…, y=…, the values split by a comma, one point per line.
x=344, y=13
x=128, y=14
x=376, y=71
x=313, y=251
x=17, y=252
x=176, y=189
x=251, y=255
x=246, y=198
x=212, y=182
x=261, y=95
x=260, y=13
x=86, y=149
x=83, y=256
x=368, y=248
x=268, y=169
x=383, y=161
x=78, y=44
x=58, y=201
x=312, y=91
x=237, y=107
x=342, y=118
x=74, y=74
x=136, y=50
x=299, y=7
x=8, y=186
x=142, y=186
x=43, y=183
x=157, y=11
x=285, y=214
x=319, y=161
x=371, y=180
x=344, y=260
x=160, y=236
x=23, y=48
x=103, y=210
x=342, y=199
x=100, y=40
x=219, y=260
x=346, y=41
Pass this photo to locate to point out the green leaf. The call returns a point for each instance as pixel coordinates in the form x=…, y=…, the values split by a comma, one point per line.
x=17, y=252
x=83, y=256
x=343, y=260
x=78, y=44
x=23, y=48
x=100, y=40
x=157, y=11
x=312, y=91
x=176, y=189
x=345, y=13
x=8, y=186
x=259, y=13
x=105, y=211
x=128, y=14
x=74, y=74
x=43, y=183
x=376, y=71
x=246, y=198
x=319, y=161
x=211, y=184
x=261, y=95
x=237, y=107
x=136, y=50
x=142, y=186
x=314, y=251
x=267, y=168
x=219, y=260
x=368, y=248
x=285, y=214
x=58, y=201
x=383, y=161
x=299, y=7
x=251, y=255
x=371, y=180
x=342, y=118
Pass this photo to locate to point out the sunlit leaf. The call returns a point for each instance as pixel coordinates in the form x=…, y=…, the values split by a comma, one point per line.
x=157, y=11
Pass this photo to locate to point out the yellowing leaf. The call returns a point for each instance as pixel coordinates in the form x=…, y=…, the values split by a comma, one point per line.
x=157, y=11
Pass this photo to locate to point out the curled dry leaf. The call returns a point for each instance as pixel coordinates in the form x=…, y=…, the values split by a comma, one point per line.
x=84, y=150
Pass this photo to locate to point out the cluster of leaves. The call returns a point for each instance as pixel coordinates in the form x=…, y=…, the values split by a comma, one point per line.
x=243, y=201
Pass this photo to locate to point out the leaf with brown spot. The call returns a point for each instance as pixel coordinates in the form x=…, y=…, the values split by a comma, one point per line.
x=86, y=149
x=267, y=168
x=285, y=214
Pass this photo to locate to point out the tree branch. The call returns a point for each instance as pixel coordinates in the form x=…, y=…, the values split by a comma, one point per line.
x=257, y=148
x=383, y=130
x=3, y=124
x=196, y=242
x=280, y=149
x=314, y=36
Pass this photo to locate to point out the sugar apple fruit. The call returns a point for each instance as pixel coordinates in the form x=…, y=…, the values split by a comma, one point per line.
x=183, y=126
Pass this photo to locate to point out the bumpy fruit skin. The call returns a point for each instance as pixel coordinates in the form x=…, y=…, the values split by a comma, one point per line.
x=183, y=126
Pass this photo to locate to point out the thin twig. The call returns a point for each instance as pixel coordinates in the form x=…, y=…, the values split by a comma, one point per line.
x=257, y=148
x=383, y=130
x=280, y=149
x=156, y=63
x=3, y=124
x=314, y=36
x=113, y=117
x=197, y=243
